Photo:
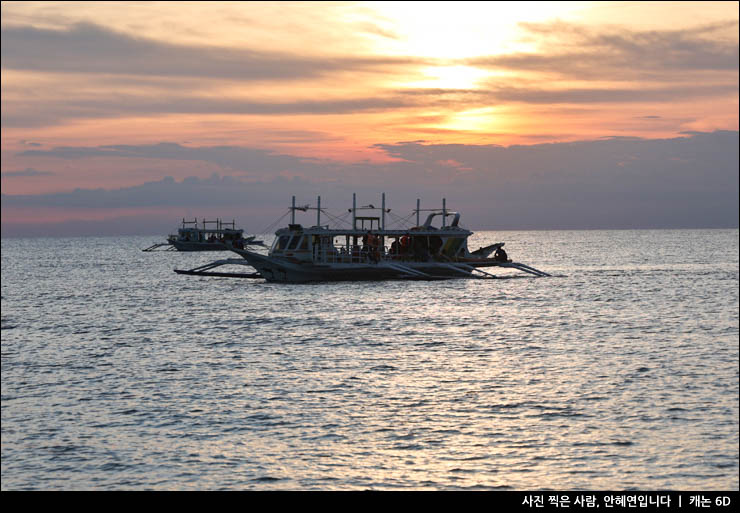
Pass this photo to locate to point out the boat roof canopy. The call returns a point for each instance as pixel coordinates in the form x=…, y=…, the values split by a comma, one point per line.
x=375, y=223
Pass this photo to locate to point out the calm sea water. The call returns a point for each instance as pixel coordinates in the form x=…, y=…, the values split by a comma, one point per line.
x=619, y=372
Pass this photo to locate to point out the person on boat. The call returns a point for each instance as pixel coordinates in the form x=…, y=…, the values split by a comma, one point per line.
x=370, y=244
x=435, y=244
x=420, y=249
x=501, y=256
x=404, y=244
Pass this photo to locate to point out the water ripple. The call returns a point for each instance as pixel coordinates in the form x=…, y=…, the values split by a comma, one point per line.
x=621, y=373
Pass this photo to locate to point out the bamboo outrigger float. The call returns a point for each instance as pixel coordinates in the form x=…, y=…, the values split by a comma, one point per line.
x=369, y=251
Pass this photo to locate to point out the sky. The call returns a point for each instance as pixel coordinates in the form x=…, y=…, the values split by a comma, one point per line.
x=125, y=117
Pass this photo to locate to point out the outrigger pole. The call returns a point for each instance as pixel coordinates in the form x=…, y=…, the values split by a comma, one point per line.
x=205, y=270
x=525, y=268
x=156, y=247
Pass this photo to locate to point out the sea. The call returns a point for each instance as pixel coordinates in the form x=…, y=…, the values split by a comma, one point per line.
x=618, y=372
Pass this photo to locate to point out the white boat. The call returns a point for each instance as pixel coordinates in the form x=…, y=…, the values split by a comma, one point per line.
x=210, y=236
x=368, y=250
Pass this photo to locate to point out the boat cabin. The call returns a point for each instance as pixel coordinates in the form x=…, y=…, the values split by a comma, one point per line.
x=368, y=241
x=209, y=231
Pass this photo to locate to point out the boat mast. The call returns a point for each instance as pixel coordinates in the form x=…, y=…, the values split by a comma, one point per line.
x=354, y=209
x=444, y=212
x=382, y=224
x=292, y=212
x=418, y=207
x=318, y=211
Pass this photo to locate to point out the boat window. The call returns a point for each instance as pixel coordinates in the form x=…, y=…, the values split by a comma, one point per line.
x=294, y=242
x=453, y=246
x=304, y=242
x=281, y=243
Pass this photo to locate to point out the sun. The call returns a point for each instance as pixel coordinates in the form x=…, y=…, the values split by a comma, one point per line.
x=450, y=77
x=458, y=30
x=448, y=34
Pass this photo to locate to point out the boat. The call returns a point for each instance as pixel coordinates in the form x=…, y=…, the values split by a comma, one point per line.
x=215, y=235
x=368, y=250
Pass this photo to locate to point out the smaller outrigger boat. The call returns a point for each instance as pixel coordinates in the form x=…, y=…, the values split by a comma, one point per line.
x=368, y=250
x=210, y=236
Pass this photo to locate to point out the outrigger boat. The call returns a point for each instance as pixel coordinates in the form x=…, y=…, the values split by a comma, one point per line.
x=369, y=251
x=210, y=236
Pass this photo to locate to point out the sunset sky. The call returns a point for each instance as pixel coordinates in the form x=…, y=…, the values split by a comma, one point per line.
x=527, y=114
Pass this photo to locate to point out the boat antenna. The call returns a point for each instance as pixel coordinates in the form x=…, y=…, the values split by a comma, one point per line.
x=418, y=207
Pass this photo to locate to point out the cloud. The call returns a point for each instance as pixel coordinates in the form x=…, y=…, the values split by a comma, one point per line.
x=601, y=95
x=191, y=192
x=90, y=48
x=110, y=74
x=609, y=183
x=299, y=136
x=228, y=157
x=621, y=54
x=376, y=30
x=28, y=113
x=28, y=172
x=624, y=182
x=496, y=92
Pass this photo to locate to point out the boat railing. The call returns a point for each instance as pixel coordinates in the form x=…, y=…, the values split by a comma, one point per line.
x=359, y=255
x=334, y=255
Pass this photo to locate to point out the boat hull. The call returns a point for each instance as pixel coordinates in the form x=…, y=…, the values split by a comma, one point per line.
x=185, y=245
x=198, y=246
x=280, y=269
